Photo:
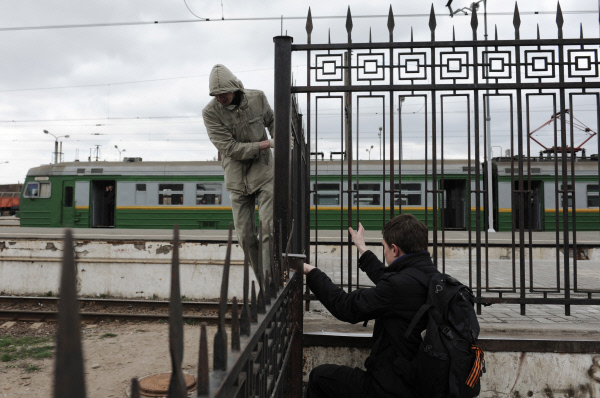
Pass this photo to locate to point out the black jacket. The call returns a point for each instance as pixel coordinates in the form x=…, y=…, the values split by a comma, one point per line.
x=393, y=302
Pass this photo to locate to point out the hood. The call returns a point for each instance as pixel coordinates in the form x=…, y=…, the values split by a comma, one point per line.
x=222, y=81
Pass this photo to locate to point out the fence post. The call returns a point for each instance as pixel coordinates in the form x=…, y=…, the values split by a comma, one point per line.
x=296, y=263
x=283, y=119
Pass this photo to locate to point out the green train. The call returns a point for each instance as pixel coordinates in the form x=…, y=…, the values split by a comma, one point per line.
x=156, y=195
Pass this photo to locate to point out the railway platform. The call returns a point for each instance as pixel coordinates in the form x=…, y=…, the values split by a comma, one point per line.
x=542, y=239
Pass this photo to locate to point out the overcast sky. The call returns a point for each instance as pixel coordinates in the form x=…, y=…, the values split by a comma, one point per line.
x=142, y=87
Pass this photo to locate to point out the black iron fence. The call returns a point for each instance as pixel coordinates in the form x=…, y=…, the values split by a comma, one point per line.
x=428, y=105
x=261, y=356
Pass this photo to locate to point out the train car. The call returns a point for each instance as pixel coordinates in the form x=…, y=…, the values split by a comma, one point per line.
x=149, y=195
x=9, y=203
x=192, y=195
x=372, y=197
x=542, y=208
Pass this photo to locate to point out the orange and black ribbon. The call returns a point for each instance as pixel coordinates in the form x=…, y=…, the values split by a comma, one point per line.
x=477, y=367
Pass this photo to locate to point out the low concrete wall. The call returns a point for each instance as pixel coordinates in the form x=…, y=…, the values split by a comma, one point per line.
x=545, y=369
x=119, y=268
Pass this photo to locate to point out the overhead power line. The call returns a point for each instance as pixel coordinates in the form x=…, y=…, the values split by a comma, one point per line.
x=258, y=19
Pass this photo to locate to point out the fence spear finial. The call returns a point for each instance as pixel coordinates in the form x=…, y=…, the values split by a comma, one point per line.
x=391, y=24
x=432, y=21
x=581, y=30
x=538, y=31
x=474, y=22
x=453, y=34
x=559, y=18
x=517, y=21
x=349, y=25
x=309, y=26
x=496, y=32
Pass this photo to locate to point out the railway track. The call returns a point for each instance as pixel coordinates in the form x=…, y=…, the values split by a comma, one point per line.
x=45, y=309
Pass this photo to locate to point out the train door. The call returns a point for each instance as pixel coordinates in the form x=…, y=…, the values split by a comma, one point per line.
x=68, y=204
x=103, y=204
x=454, y=202
x=533, y=208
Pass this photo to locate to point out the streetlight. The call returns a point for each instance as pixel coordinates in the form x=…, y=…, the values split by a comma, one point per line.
x=369, y=150
x=120, y=152
x=56, y=144
x=379, y=135
x=6, y=161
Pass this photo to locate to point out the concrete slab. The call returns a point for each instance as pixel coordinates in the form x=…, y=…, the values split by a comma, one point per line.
x=8, y=325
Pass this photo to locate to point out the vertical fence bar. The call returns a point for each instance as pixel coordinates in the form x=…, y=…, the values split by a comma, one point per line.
x=521, y=186
x=434, y=181
x=296, y=262
x=220, y=343
x=565, y=177
x=177, y=387
x=69, y=379
x=474, y=24
x=283, y=119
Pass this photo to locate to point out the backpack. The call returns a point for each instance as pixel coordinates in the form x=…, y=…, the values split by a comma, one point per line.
x=448, y=363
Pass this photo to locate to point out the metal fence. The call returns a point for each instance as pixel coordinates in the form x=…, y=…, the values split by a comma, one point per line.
x=467, y=197
x=260, y=357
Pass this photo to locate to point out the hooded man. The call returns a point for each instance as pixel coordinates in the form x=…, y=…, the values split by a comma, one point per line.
x=235, y=120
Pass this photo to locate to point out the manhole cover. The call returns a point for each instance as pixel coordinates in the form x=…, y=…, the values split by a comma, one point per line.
x=157, y=385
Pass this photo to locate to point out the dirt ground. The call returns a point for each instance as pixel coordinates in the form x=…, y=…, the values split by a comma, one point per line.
x=137, y=350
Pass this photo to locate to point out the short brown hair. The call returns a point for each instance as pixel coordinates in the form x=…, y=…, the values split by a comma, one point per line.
x=406, y=232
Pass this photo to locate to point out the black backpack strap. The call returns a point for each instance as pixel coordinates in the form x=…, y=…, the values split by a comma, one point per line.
x=416, y=318
x=423, y=279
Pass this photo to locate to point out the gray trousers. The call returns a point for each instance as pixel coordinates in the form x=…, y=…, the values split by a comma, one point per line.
x=244, y=216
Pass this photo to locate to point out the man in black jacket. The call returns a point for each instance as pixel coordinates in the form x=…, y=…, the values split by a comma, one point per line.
x=392, y=302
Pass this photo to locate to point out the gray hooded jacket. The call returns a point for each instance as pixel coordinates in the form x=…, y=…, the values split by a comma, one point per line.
x=237, y=130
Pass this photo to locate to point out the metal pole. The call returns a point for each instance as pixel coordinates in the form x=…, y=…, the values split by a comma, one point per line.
x=488, y=119
x=283, y=120
x=55, y=151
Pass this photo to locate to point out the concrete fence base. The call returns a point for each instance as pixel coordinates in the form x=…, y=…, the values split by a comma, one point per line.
x=532, y=373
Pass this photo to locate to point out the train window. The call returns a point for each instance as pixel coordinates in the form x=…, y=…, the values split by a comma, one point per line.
x=170, y=199
x=367, y=187
x=413, y=199
x=209, y=194
x=166, y=196
x=140, y=187
x=569, y=195
x=170, y=187
x=37, y=190
x=367, y=199
x=408, y=187
x=68, y=196
x=326, y=199
x=593, y=199
x=326, y=187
